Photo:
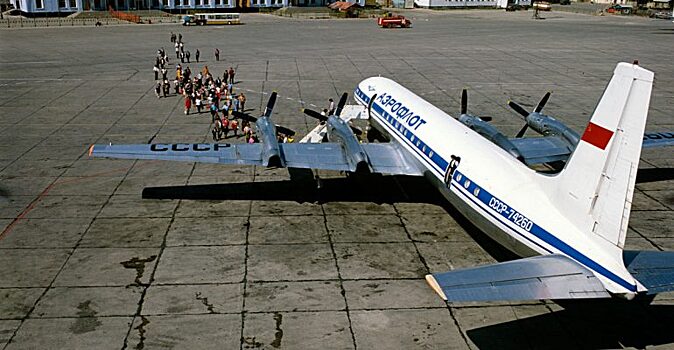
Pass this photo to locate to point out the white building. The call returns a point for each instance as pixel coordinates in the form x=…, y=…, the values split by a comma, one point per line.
x=44, y=7
x=64, y=7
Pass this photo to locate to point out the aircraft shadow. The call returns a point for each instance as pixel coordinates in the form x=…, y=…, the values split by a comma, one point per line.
x=302, y=188
x=583, y=324
x=655, y=175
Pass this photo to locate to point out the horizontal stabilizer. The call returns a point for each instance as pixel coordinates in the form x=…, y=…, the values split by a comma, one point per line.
x=541, y=277
x=536, y=150
x=653, y=269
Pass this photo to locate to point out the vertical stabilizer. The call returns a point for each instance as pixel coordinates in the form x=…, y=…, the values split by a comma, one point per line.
x=597, y=184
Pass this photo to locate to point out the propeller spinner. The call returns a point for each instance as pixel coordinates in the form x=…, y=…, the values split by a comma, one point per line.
x=523, y=112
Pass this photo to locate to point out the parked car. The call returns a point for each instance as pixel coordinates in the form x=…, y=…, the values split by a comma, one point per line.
x=620, y=9
x=515, y=7
x=662, y=15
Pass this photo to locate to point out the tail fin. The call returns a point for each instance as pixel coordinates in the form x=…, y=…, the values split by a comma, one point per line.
x=597, y=184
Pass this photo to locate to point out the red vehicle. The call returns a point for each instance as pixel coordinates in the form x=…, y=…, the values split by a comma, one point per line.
x=394, y=21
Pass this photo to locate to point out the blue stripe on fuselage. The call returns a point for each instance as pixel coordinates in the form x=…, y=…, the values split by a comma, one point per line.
x=439, y=164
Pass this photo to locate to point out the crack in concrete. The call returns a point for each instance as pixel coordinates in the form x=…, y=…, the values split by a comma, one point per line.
x=139, y=265
x=141, y=332
x=204, y=300
x=250, y=343
x=278, y=336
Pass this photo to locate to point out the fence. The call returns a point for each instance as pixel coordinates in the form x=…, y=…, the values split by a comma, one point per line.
x=124, y=16
x=21, y=22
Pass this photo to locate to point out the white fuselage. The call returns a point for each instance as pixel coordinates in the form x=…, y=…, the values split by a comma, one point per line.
x=500, y=195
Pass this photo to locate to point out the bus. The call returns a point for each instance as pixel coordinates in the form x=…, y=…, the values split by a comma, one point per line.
x=212, y=18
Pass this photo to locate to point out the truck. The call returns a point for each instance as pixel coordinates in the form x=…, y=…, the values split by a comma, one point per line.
x=391, y=20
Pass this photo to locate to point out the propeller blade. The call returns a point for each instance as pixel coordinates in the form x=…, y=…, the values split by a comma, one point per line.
x=486, y=119
x=541, y=104
x=518, y=109
x=356, y=130
x=521, y=133
x=314, y=114
x=244, y=116
x=341, y=103
x=464, y=101
x=270, y=105
x=285, y=131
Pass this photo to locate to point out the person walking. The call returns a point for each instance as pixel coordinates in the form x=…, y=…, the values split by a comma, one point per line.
x=196, y=55
x=217, y=130
x=180, y=37
x=177, y=50
x=231, y=75
x=217, y=54
x=157, y=89
x=188, y=104
x=173, y=37
x=225, y=76
x=234, y=125
x=242, y=102
x=187, y=56
x=225, y=125
x=331, y=107
x=198, y=103
x=167, y=87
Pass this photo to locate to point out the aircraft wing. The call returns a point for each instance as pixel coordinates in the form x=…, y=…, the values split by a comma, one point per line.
x=540, y=277
x=536, y=150
x=658, y=139
x=385, y=158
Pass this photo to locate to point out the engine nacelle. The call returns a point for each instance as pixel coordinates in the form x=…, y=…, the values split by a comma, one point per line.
x=489, y=132
x=547, y=125
x=271, y=152
x=340, y=131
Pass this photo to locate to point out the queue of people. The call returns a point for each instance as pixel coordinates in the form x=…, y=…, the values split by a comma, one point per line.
x=203, y=91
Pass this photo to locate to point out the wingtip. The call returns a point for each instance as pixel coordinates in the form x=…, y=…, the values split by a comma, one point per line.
x=91, y=150
x=436, y=287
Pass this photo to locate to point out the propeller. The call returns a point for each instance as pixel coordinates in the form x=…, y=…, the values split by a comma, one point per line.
x=464, y=106
x=270, y=105
x=341, y=103
x=314, y=114
x=523, y=112
x=267, y=114
x=338, y=111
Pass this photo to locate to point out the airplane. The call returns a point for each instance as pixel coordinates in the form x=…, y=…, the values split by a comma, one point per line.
x=567, y=222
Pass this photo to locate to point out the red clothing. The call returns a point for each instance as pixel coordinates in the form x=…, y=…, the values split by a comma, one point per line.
x=188, y=102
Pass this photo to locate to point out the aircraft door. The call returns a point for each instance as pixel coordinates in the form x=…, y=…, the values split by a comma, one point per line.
x=451, y=167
